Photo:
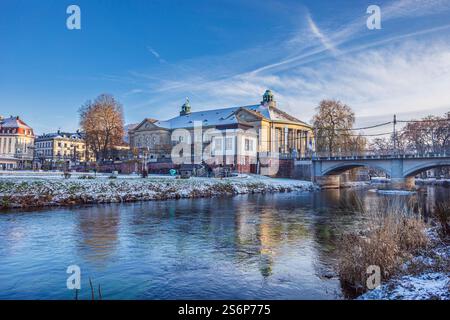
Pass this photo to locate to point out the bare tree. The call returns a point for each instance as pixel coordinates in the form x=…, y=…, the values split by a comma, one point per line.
x=103, y=125
x=385, y=146
x=333, y=122
x=430, y=134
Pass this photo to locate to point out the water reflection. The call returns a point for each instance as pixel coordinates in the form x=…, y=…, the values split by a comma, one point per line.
x=273, y=246
x=98, y=233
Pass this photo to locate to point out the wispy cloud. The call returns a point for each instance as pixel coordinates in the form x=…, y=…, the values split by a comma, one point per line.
x=155, y=54
x=381, y=73
x=318, y=33
x=414, y=8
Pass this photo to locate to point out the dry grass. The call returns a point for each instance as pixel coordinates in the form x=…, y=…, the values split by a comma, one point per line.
x=392, y=237
x=442, y=215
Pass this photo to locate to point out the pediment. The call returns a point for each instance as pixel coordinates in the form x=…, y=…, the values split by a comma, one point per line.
x=244, y=115
x=147, y=124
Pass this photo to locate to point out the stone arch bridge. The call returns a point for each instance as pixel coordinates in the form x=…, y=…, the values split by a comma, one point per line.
x=400, y=168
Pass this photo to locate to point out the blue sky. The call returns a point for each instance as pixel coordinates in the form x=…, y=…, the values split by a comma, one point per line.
x=152, y=54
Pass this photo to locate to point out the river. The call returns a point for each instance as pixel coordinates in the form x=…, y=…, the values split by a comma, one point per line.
x=272, y=246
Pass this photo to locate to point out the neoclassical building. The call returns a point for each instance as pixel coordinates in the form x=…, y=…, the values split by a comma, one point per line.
x=237, y=136
x=16, y=144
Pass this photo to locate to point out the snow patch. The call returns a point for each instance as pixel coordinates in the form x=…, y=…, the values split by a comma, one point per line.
x=425, y=286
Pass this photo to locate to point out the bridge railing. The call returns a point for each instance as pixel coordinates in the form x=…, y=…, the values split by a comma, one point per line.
x=367, y=155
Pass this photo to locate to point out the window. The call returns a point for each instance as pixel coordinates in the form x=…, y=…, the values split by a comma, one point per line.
x=228, y=144
x=218, y=144
x=248, y=145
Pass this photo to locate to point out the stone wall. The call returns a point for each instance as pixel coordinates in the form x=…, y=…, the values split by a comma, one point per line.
x=293, y=169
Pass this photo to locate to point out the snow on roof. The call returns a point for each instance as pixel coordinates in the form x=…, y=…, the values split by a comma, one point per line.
x=13, y=122
x=216, y=117
x=225, y=116
x=74, y=135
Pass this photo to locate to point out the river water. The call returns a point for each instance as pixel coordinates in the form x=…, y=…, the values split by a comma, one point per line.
x=273, y=246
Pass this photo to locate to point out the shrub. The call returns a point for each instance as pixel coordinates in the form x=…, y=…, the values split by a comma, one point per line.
x=442, y=215
x=391, y=238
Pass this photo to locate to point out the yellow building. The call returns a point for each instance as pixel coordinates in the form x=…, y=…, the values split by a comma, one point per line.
x=278, y=132
x=61, y=150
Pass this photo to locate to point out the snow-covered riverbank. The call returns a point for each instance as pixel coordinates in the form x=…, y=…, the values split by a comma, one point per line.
x=24, y=192
x=425, y=286
x=424, y=277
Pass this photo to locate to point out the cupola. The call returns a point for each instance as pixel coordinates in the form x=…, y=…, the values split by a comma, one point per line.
x=268, y=98
x=185, y=108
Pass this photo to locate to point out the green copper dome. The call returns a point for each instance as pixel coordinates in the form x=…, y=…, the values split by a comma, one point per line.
x=268, y=96
x=185, y=108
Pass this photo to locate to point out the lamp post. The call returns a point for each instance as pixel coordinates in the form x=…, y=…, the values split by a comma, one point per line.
x=145, y=152
x=395, y=134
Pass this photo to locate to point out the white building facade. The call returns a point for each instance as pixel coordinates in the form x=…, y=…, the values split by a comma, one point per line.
x=16, y=144
x=238, y=136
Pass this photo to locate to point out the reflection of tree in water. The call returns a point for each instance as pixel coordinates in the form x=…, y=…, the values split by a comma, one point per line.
x=99, y=228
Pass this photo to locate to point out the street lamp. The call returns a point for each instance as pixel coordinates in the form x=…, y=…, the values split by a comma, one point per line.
x=144, y=161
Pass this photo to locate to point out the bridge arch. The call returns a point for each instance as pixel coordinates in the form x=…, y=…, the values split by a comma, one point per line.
x=345, y=166
x=428, y=165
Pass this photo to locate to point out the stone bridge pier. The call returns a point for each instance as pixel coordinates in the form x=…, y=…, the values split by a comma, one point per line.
x=401, y=169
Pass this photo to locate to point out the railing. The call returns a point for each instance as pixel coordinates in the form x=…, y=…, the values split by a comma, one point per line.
x=368, y=154
x=374, y=156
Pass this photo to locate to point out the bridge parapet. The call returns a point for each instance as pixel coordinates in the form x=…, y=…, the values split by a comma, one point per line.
x=400, y=168
x=381, y=156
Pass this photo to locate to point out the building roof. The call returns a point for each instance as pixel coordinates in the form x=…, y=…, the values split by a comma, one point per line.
x=226, y=116
x=13, y=122
x=216, y=117
x=61, y=135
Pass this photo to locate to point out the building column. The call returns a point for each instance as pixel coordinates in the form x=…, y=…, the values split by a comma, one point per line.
x=290, y=140
x=305, y=142
x=294, y=139
x=280, y=140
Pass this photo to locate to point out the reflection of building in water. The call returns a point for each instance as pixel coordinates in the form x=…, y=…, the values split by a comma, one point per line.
x=99, y=227
x=323, y=199
x=260, y=236
x=430, y=201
